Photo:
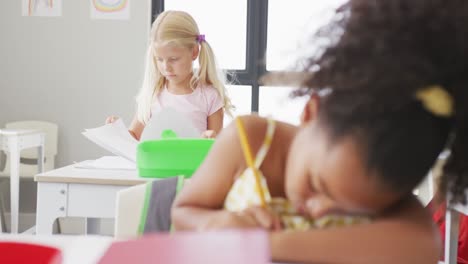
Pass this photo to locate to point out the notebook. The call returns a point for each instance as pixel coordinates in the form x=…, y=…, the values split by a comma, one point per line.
x=227, y=247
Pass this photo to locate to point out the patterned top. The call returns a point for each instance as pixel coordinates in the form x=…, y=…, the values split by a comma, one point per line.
x=245, y=193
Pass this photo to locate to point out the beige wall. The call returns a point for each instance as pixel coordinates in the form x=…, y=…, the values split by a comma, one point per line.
x=69, y=70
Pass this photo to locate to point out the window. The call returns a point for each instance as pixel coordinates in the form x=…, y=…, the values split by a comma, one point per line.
x=290, y=24
x=276, y=102
x=241, y=97
x=252, y=37
x=225, y=28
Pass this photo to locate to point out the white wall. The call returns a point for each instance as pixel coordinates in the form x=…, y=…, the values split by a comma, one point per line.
x=71, y=70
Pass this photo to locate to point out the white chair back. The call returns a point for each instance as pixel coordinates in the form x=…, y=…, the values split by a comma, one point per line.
x=28, y=165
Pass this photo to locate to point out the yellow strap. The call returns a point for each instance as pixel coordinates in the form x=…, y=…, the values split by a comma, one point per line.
x=249, y=160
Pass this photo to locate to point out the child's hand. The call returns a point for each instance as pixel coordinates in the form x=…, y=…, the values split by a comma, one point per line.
x=111, y=119
x=264, y=217
x=253, y=217
x=209, y=134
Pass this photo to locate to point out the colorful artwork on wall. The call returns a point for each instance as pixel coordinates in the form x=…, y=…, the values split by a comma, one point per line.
x=42, y=8
x=110, y=9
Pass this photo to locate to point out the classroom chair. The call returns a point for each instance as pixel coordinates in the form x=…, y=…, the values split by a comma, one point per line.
x=129, y=206
x=146, y=208
x=452, y=221
x=28, y=162
x=452, y=217
x=28, y=158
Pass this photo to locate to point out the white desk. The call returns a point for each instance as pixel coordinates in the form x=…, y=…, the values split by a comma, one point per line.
x=13, y=141
x=76, y=192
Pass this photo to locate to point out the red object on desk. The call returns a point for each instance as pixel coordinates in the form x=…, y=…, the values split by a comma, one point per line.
x=227, y=247
x=17, y=252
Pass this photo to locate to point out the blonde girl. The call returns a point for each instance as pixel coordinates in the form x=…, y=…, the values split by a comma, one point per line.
x=170, y=80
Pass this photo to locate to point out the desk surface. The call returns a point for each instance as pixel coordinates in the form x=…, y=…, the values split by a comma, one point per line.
x=70, y=174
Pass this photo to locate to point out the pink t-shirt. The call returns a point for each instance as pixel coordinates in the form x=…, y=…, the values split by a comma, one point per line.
x=197, y=106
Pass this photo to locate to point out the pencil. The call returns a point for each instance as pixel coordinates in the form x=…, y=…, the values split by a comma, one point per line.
x=249, y=160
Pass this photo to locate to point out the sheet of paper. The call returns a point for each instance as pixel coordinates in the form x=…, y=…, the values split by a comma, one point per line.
x=114, y=138
x=169, y=118
x=107, y=163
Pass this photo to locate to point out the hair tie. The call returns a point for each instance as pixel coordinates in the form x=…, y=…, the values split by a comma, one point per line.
x=436, y=100
x=200, y=38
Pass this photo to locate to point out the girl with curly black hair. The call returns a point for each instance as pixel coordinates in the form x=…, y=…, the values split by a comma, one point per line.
x=395, y=93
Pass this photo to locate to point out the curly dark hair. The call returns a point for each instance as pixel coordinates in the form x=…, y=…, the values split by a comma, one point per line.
x=386, y=51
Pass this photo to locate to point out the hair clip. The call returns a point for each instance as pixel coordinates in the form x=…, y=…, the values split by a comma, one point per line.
x=436, y=100
x=200, y=38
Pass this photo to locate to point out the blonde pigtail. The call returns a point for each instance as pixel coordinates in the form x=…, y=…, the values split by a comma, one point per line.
x=209, y=74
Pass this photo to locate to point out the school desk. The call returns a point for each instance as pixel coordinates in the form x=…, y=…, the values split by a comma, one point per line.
x=78, y=192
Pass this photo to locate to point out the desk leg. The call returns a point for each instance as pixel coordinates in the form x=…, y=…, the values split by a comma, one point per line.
x=14, y=149
x=40, y=156
x=52, y=201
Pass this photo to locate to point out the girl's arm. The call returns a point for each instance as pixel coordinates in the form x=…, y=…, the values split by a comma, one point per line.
x=215, y=121
x=136, y=127
x=203, y=198
x=408, y=236
x=200, y=204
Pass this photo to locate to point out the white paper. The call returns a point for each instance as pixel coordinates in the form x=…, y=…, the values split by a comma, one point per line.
x=107, y=163
x=169, y=118
x=114, y=138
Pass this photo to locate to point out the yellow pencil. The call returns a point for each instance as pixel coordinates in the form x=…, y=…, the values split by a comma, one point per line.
x=249, y=160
